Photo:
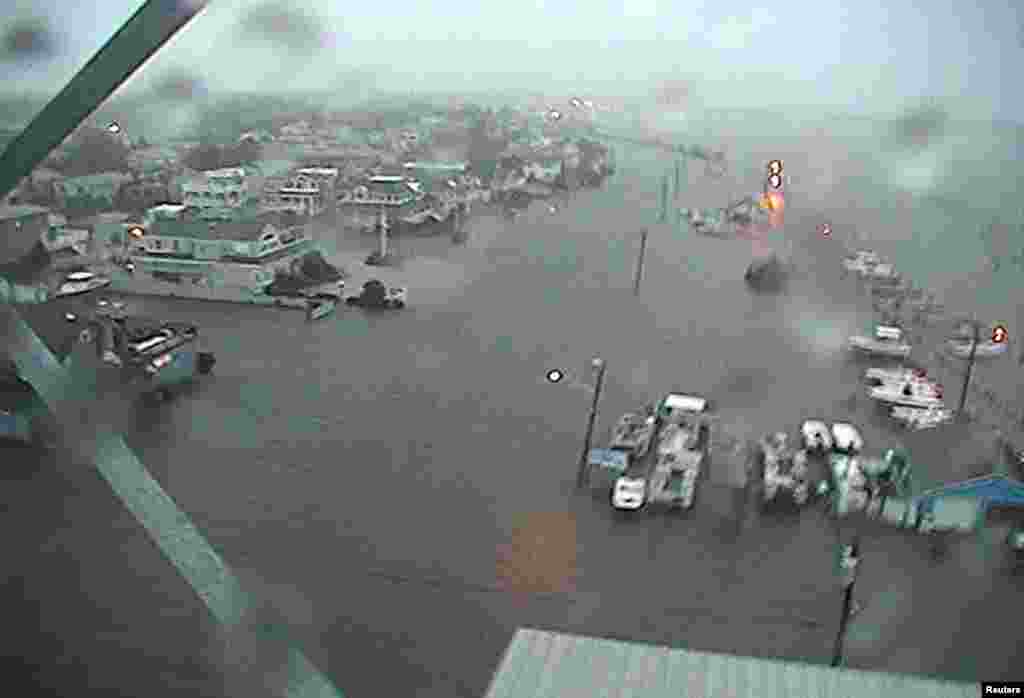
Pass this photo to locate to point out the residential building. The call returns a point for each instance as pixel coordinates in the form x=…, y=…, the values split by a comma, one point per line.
x=308, y=191
x=107, y=231
x=216, y=192
x=542, y=663
x=233, y=253
x=297, y=132
x=369, y=200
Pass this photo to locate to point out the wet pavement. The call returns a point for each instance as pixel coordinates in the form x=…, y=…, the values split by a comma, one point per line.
x=399, y=486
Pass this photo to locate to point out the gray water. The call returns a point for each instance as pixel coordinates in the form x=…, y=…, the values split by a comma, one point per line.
x=367, y=473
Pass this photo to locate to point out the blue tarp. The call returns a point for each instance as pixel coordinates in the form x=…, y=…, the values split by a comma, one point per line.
x=608, y=458
x=992, y=489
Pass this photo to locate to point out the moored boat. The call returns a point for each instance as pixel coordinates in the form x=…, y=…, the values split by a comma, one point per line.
x=79, y=282
x=985, y=350
x=886, y=341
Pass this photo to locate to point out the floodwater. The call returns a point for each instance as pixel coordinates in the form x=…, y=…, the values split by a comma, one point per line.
x=399, y=485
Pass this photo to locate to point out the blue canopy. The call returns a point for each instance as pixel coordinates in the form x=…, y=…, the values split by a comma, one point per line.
x=991, y=489
x=608, y=458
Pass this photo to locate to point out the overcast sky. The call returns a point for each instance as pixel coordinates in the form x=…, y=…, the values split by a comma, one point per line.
x=869, y=55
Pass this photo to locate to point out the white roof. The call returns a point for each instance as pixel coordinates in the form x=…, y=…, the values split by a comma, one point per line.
x=538, y=664
x=888, y=332
x=687, y=403
x=387, y=178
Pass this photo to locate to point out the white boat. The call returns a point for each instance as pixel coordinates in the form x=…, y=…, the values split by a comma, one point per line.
x=861, y=260
x=914, y=394
x=901, y=374
x=918, y=419
x=880, y=272
x=846, y=439
x=988, y=349
x=816, y=436
x=887, y=341
x=81, y=282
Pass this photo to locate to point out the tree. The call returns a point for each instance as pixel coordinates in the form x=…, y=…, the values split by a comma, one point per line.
x=95, y=150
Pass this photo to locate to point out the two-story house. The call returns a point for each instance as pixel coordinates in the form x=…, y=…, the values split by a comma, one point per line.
x=307, y=191
x=242, y=252
x=214, y=193
x=379, y=198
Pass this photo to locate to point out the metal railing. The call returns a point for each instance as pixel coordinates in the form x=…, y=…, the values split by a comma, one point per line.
x=66, y=392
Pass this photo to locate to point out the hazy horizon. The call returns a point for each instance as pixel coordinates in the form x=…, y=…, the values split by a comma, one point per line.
x=874, y=59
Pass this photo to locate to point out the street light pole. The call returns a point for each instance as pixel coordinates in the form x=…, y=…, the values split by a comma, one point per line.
x=975, y=338
x=849, y=562
x=639, y=275
x=582, y=473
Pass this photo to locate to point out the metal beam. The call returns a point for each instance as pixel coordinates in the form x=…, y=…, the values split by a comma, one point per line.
x=66, y=393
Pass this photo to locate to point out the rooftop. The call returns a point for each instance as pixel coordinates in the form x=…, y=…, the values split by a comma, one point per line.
x=539, y=663
x=239, y=231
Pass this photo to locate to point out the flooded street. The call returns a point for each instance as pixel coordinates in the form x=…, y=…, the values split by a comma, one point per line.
x=385, y=478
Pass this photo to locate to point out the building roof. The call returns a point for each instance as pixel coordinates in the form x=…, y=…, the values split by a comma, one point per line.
x=238, y=231
x=540, y=664
x=98, y=178
x=12, y=212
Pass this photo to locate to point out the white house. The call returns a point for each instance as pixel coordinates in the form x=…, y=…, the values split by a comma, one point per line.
x=216, y=190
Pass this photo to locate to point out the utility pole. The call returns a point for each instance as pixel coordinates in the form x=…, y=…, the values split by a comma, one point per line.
x=678, y=173
x=975, y=338
x=664, y=199
x=849, y=562
x=583, y=472
x=638, y=277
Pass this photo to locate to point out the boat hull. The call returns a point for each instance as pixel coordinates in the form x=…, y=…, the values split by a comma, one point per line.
x=872, y=348
x=72, y=288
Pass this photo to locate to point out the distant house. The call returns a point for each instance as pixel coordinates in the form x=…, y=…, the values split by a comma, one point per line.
x=216, y=192
x=95, y=192
x=297, y=132
x=305, y=191
x=366, y=200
